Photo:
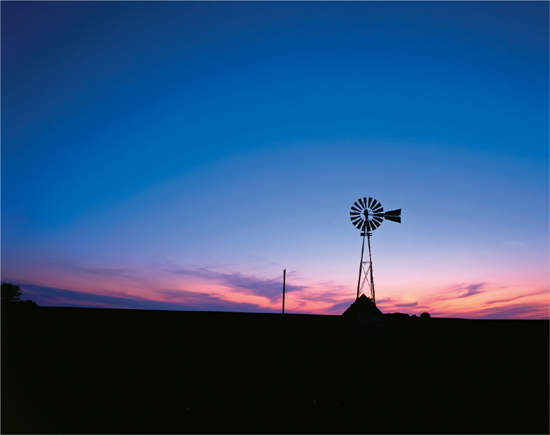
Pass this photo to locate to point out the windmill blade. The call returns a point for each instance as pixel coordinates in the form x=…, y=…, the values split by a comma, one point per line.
x=354, y=213
x=370, y=202
x=393, y=218
x=357, y=206
x=370, y=225
x=355, y=218
x=377, y=220
x=357, y=222
x=393, y=213
x=359, y=225
x=373, y=203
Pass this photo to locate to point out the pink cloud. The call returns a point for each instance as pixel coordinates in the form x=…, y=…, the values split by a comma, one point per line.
x=534, y=310
x=270, y=288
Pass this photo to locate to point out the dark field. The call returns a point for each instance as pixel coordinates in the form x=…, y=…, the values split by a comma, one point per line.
x=79, y=370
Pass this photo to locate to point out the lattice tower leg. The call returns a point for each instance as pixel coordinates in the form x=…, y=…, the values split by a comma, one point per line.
x=366, y=277
x=372, y=296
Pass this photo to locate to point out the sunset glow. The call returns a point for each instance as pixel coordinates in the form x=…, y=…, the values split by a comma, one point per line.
x=180, y=155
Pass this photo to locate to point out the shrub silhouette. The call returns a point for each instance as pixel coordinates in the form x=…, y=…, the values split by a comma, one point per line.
x=11, y=293
x=11, y=297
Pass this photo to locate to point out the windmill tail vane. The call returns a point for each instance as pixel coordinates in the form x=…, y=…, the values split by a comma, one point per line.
x=366, y=215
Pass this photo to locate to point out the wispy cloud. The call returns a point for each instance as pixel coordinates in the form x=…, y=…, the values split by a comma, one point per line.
x=535, y=310
x=519, y=296
x=206, y=301
x=270, y=288
x=471, y=290
x=330, y=292
x=340, y=307
x=95, y=273
x=409, y=305
x=53, y=296
x=178, y=300
x=107, y=272
x=461, y=291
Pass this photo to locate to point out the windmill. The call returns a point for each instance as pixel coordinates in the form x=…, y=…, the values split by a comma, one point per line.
x=366, y=215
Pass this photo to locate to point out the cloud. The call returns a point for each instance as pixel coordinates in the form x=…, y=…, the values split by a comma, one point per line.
x=106, y=272
x=520, y=296
x=460, y=291
x=330, y=292
x=340, y=307
x=270, y=288
x=535, y=310
x=471, y=290
x=207, y=301
x=411, y=304
x=97, y=272
x=52, y=296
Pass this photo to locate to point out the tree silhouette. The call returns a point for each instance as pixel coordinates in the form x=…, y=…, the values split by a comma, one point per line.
x=11, y=299
x=10, y=293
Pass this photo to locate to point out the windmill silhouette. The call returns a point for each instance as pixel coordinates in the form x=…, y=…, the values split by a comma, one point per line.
x=366, y=215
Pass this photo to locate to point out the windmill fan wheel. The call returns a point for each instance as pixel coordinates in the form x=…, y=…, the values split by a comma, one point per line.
x=366, y=214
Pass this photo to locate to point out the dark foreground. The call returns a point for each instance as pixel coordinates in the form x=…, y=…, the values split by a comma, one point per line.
x=77, y=370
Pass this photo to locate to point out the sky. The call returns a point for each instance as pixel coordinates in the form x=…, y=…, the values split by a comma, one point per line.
x=181, y=155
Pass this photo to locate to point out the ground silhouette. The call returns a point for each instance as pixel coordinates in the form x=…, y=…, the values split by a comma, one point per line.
x=80, y=370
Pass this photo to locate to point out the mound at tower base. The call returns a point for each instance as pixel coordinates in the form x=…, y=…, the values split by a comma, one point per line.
x=363, y=306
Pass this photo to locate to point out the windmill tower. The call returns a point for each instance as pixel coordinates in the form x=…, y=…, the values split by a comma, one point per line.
x=366, y=215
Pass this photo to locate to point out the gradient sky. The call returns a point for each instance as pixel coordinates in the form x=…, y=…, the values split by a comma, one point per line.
x=180, y=155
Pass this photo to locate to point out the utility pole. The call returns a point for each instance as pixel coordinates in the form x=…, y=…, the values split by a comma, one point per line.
x=284, y=279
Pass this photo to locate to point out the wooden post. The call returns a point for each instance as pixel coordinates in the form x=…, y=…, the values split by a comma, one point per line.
x=284, y=279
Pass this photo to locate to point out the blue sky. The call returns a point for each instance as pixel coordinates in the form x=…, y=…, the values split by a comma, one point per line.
x=177, y=152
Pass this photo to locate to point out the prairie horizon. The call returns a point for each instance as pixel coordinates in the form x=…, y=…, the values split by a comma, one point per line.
x=82, y=370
